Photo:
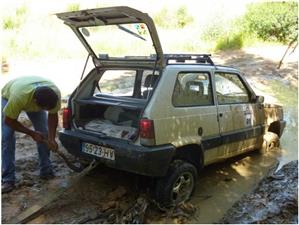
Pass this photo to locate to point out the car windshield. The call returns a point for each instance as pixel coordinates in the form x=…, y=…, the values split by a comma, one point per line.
x=119, y=40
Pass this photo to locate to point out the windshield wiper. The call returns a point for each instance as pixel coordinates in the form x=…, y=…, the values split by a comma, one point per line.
x=130, y=32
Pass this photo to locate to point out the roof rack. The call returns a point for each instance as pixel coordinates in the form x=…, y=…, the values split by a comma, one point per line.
x=188, y=59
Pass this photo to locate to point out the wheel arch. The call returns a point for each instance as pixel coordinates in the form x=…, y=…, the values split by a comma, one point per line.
x=192, y=153
x=275, y=127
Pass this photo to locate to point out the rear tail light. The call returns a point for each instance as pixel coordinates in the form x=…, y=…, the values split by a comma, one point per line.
x=66, y=118
x=147, y=131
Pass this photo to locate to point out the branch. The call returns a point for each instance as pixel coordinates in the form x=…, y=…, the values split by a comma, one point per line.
x=289, y=46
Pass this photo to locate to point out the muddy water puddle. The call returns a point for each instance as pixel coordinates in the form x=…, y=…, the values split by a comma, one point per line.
x=221, y=185
x=288, y=97
x=282, y=93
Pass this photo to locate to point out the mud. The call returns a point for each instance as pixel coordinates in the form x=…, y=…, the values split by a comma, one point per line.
x=275, y=200
x=111, y=196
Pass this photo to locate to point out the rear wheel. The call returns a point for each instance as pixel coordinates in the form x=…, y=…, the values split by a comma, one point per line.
x=177, y=186
x=271, y=141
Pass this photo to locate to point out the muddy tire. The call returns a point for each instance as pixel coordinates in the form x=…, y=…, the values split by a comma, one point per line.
x=271, y=141
x=177, y=186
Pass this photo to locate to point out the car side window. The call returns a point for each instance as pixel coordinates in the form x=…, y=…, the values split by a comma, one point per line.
x=230, y=89
x=192, y=89
x=117, y=82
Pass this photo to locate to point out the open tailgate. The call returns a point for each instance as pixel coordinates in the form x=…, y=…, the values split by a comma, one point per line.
x=110, y=16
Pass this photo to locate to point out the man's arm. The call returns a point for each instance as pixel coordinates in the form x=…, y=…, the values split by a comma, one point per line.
x=17, y=126
x=52, y=126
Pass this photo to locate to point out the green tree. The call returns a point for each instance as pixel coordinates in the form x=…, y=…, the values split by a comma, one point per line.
x=179, y=18
x=183, y=18
x=274, y=21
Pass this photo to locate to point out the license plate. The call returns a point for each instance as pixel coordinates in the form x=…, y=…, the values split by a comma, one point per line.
x=99, y=151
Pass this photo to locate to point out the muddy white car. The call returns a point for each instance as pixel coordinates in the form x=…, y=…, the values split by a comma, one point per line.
x=165, y=116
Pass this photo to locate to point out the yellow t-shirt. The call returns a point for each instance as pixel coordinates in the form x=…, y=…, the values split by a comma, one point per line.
x=19, y=93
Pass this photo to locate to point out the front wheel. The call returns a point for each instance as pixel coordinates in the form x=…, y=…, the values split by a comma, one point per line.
x=178, y=185
x=271, y=141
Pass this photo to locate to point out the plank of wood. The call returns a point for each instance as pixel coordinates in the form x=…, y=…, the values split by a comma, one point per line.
x=35, y=210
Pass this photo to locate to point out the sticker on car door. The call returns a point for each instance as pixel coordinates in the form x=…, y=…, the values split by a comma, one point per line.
x=248, y=117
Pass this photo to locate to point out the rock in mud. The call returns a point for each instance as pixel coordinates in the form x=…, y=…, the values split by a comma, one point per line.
x=136, y=213
x=275, y=200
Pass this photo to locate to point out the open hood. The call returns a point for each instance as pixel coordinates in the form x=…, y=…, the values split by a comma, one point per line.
x=125, y=20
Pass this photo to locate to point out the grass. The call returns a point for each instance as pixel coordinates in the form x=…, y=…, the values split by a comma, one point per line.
x=234, y=41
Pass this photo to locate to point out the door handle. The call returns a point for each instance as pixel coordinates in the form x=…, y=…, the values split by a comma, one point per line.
x=220, y=114
x=199, y=131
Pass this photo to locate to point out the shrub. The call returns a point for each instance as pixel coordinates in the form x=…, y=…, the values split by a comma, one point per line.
x=15, y=21
x=162, y=18
x=21, y=11
x=213, y=31
x=173, y=19
x=10, y=23
x=73, y=7
x=218, y=25
x=274, y=21
x=235, y=41
x=183, y=18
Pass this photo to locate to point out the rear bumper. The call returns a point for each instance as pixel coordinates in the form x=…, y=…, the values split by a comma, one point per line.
x=149, y=161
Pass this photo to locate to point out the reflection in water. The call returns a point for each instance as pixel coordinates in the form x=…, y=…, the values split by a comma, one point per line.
x=288, y=97
x=221, y=185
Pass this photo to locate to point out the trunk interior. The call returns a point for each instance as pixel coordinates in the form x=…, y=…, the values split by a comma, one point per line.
x=113, y=119
x=111, y=102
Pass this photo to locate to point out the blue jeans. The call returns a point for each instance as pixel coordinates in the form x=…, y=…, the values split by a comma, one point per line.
x=8, y=145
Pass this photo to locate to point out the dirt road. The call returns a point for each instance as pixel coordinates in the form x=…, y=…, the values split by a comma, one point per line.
x=104, y=195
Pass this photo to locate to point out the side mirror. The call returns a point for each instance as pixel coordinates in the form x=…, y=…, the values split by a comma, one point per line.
x=260, y=99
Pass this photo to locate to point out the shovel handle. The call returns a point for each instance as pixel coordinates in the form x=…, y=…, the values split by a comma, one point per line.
x=63, y=156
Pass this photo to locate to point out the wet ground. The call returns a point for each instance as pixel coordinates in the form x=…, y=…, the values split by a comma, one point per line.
x=105, y=194
x=275, y=200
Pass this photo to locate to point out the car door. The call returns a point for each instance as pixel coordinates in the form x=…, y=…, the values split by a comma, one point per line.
x=239, y=122
x=195, y=112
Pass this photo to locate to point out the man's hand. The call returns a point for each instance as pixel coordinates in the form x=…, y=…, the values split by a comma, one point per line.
x=37, y=136
x=17, y=126
x=52, y=145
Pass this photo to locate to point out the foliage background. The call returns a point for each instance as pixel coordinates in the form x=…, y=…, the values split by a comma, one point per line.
x=33, y=39
x=31, y=30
